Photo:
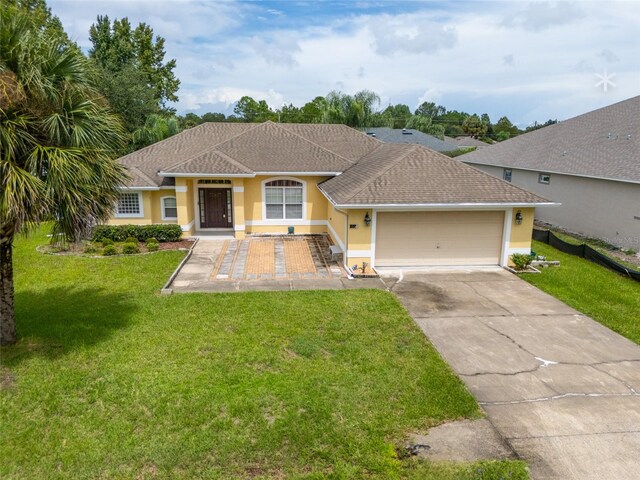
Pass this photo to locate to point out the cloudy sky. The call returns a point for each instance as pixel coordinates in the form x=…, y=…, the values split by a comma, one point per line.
x=529, y=61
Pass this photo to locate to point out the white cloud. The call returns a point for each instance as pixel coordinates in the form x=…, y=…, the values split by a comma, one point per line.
x=228, y=96
x=408, y=34
x=539, y=16
x=529, y=62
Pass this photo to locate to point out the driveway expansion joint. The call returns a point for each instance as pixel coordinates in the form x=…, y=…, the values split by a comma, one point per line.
x=558, y=397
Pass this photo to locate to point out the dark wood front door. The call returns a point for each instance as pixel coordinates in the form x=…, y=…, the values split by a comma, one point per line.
x=215, y=207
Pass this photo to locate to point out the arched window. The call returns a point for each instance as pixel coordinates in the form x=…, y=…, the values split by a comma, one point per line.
x=169, y=207
x=284, y=199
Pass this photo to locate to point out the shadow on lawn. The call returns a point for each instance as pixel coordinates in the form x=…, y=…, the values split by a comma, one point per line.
x=56, y=321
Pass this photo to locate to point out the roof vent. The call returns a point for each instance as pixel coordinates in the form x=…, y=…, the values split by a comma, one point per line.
x=406, y=132
x=564, y=153
x=629, y=137
x=609, y=135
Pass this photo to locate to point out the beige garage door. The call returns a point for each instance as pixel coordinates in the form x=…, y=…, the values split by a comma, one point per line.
x=438, y=238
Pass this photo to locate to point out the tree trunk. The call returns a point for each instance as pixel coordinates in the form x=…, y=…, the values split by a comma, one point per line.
x=7, y=313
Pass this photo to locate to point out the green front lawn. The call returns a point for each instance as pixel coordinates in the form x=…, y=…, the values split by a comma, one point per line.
x=112, y=380
x=605, y=296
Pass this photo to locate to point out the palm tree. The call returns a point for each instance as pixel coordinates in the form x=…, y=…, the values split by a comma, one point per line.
x=156, y=128
x=57, y=138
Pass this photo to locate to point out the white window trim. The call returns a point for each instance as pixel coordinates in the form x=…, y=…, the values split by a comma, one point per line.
x=282, y=221
x=131, y=215
x=541, y=174
x=162, y=207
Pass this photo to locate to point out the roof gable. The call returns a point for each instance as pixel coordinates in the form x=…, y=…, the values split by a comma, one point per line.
x=417, y=175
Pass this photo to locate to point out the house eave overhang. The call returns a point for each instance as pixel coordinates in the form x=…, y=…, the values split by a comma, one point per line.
x=206, y=175
x=553, y=172
x=316, y=174
x=443, y=206
x=147, y=188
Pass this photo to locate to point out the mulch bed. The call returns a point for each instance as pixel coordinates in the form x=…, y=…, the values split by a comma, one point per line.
x=78, y=248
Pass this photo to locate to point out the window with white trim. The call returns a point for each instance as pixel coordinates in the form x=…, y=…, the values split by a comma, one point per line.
x=169, y=208
x=506, y=174
x=129, y=205
x=283, y=199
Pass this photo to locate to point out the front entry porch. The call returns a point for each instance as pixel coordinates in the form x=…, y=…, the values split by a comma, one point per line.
x=261, y=262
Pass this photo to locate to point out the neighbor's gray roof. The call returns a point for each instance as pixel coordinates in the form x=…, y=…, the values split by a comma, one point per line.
x=396, y=174
x=466, y=141
x=409, y=135
x=604, y=143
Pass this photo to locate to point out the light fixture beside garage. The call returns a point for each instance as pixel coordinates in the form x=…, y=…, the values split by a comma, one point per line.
x=367, y=219
x=518, y=217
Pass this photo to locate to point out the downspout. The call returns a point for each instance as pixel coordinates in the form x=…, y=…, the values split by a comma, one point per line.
x=346, y=241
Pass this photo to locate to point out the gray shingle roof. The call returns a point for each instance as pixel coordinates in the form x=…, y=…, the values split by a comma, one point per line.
x=409, y=135
x=395, y=174
x=370, y=171
x=465, y=142
x=604, y=143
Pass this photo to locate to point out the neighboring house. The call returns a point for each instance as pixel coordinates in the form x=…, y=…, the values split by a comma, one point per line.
x=590, y=164
x=384, y=204
x=466, y=142
x=409, y=135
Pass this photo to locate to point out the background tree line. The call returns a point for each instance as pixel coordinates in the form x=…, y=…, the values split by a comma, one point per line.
x=361, y=110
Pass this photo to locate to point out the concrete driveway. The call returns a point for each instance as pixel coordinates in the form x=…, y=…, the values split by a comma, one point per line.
x=559, y=387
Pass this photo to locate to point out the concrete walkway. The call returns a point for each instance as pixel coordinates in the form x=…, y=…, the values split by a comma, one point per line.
x=559, y=387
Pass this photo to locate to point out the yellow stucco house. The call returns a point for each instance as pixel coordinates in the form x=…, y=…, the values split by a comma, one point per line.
x=384, y=204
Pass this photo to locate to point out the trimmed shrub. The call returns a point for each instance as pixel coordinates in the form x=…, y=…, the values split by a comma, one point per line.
x=131, y=240
x=521, y=261
x=130, y=248
x=153, y=247
x=106, y=242
x=91, y=248
x=110, y=250
x=152, y=240
x=120, y=233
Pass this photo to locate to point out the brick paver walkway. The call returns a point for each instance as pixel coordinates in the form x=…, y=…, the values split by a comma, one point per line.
x=297, y=257
x=262, y=258
x=278, y=257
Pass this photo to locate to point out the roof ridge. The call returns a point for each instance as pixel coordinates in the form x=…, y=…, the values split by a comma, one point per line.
x=313, y=143
x=233, y=160
x=410, y=148
x=212, y=148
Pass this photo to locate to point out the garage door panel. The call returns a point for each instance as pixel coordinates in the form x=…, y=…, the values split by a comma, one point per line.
x=438, y=238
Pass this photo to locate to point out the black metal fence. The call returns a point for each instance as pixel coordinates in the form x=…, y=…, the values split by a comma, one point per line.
x=584, y=251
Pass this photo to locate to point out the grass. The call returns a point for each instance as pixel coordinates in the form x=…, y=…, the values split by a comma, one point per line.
x=603, y=295
x=111, y=380
x=599, y=245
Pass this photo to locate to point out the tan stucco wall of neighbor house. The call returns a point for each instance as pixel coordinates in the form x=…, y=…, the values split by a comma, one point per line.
x=521, y=234
x=315, y=217
x=596, y=208
x=359, y=238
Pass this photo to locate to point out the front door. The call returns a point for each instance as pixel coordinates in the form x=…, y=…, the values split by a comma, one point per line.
x=215, y=207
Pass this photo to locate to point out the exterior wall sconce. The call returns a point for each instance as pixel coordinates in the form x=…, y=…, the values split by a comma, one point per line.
x=367, y=219
x=518, y=217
